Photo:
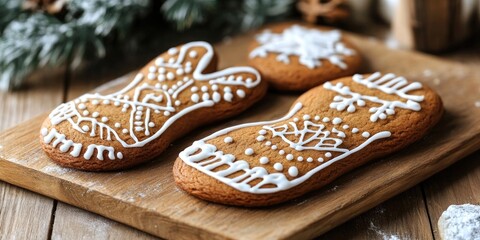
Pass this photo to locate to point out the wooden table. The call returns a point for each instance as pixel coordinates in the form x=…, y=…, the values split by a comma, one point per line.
x=23, y=214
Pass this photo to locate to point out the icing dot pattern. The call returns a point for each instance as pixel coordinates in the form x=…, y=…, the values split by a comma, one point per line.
x=158, y=92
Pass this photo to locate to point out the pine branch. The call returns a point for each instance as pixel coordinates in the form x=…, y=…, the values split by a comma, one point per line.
x=257, y=12
x=106, y=16
x=32, y=41
x=186, y=13
x=40, y=40
x=9, y=10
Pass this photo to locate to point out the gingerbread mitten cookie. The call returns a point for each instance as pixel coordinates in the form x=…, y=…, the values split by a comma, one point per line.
x=329, y=131
x=298, y=57
x=175, y=93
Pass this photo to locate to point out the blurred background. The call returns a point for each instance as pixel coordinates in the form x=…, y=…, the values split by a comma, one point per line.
x=49, y=36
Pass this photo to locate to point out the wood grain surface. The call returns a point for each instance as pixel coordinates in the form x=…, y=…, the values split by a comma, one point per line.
x=16, y=204
x=146, y=198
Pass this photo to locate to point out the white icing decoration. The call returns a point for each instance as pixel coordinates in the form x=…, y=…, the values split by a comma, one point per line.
x=48, y=137
x=200, y=150
x=310, y=133
x=278, y=166
x=195, y=98
x=240, y=93
x=228, y=96
x=216, y=97
x=388, y=83
x=264, y=160
x=337, y=121
x=228, y=140
x=142, y=98
x=310, y=45
x=172, y=51
x=100, y=152
x=249, y=151
x=260, y=138
x=293, y=171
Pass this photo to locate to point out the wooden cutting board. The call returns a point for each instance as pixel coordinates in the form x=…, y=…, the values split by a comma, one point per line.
x=146, y=197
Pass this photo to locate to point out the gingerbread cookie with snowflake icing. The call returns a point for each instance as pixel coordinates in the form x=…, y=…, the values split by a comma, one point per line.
x=297, y=57
x=328, y=131
x=173, y=94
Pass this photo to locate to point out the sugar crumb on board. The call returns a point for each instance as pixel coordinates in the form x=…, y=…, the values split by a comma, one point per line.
x=333, y=189
x=391, y=42
x=427, y=73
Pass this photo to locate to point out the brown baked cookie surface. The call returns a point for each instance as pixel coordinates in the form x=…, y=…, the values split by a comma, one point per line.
x=178, y=91
x=297, y=57
x=328, y=131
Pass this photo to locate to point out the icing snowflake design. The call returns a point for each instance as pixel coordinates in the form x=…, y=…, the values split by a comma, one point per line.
x=157, y=93
x=388, y=83
x=313, y=135
x=310, y=45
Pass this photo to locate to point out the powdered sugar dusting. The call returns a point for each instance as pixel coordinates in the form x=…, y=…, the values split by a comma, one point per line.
x=56, y=169
x=383, y=234
x=460, y=222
